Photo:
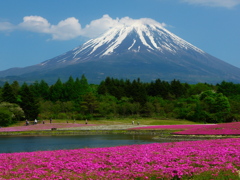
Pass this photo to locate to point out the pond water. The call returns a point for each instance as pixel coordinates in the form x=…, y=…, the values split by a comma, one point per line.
x=10, y=144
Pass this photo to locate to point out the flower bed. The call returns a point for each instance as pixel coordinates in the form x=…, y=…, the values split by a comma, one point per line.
x=172, y=127
x=159, y=160
x=219, y=129
x=204, y=129
x=41, y=127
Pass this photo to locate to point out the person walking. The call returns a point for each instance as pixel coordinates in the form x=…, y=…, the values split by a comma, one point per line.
x=27, y=123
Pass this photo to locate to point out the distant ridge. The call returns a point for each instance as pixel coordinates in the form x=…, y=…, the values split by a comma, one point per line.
x=141, y=49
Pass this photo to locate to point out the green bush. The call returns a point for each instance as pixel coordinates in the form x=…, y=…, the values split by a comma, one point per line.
x=62, y=116
x=5, y=117
x=16, y=110
x=78, y=116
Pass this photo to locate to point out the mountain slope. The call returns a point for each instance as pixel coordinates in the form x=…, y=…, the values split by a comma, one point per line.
x=143, y=48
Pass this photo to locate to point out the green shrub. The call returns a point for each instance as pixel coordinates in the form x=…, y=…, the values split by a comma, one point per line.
x=78, y=116
x=5, y=117
x=62, y=116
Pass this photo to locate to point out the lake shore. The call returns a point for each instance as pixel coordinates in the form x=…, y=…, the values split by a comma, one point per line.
x=160, y=134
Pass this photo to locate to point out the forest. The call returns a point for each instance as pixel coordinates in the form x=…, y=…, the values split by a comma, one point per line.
x=118, y=98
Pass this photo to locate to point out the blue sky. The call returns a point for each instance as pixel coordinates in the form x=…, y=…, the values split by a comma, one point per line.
x=34, y=31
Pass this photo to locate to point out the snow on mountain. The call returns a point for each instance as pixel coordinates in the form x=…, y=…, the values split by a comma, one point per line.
x=139, y=36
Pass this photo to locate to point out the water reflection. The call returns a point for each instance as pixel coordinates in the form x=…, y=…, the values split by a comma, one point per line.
x=9, y=144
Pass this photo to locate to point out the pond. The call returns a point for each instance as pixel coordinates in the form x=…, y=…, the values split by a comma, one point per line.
x=10, y=144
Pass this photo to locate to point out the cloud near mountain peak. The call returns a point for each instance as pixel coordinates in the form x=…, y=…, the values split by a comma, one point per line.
x=70, y=28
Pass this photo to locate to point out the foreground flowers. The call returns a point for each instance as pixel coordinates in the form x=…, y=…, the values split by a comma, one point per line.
x=165, y=160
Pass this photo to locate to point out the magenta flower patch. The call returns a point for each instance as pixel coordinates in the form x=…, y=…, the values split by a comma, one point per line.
x=161, y=160
x=201, y=129
x=219, y=129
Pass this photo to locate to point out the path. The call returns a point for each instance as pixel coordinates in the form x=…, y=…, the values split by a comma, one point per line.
x=103, y=127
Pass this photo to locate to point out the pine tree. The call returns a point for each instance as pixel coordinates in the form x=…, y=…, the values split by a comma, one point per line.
x=28, y=103
x=15, y=87
x=44, y=90
x=8, y=94
x=138, y=92
x=56, y=91
x=85, y=88
x=69, y=89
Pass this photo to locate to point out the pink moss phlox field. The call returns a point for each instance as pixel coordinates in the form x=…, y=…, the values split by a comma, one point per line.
x=200, y=129
x=41, y=127
x=173, y=127
x=160, y=160
x=219, y=129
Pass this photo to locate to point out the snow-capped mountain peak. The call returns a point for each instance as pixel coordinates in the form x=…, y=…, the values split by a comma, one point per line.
x=136, y=35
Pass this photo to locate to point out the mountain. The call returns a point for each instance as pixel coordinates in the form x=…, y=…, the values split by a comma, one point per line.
x=141, y=49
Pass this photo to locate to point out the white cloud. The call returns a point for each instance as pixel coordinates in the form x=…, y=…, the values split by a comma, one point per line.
x=35, y=24
x=70, y=28
x=215, y=3
x=99, y=26
x=66, y=29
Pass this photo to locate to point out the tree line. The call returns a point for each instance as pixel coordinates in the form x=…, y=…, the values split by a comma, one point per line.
x=113, y=98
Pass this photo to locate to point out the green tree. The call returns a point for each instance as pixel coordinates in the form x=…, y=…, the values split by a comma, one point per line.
x=15, y=87
x=28, y=103
x=159, y=88
x=43, y=90
x=56, y=91
x=216, y=105
x=102, y=88
x=148, y=109
x=158, y=103
x=69, y=90
x=178, y=89
x=5, y=117
x=228, y=88
x=107, y=105
x=198, y=88
x=89, y=103
x=16, y=110
x=222, y=106
x=84, y=85
x=138, y=92
x=8, y=94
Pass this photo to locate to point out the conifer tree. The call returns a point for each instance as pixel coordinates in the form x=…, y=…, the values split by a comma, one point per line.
x=69, y=89
x=85, y=88
x=15, y=87
x=28, y=103
x=138, y=92
x=8, y=94
x=44, y=90
x=56, y=91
